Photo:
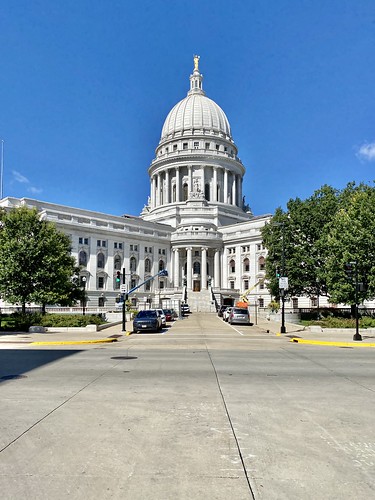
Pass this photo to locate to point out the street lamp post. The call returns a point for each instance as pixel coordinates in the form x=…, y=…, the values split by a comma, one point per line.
x=357, y=335
x=83, y=280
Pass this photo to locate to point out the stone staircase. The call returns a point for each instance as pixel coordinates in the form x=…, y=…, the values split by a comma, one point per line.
x=201, y=301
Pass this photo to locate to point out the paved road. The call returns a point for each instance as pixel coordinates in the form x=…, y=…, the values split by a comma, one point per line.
x=201, y=411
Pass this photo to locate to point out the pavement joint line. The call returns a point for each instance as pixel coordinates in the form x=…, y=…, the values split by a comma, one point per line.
x=73, y=342
x=331, y=343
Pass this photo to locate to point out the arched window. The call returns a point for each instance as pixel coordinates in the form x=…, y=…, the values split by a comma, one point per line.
x=246, y=265
x=133, y=264
x=100, y=260
x=197, y=267
x=117, y=263
x=185, y=190
x=232, y=266
x=147, y=266
x=262, y=264
x=207, y=192
x=82, y=259
x=161, y=265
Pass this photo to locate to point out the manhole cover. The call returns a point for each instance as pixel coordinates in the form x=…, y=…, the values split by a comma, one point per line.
x=124, y=357
x=12, y=377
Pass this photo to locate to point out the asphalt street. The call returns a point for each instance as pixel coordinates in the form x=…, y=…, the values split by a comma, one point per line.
x=202, y=410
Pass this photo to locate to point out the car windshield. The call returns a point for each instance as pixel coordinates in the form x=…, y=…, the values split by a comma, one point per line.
x=240, y=311
x=167, y=311
x=146, y=314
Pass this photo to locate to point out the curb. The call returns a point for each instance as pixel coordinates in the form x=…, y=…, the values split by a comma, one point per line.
x=331, y=343
x=74, y=342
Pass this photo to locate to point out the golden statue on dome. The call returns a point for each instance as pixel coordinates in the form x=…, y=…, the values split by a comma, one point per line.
x=196, y=62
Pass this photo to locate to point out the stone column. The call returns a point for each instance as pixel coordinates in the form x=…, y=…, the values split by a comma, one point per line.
x=234, y=190
x=214, y=187
x=239, y=192
x=224, y=267
x=204, y=269
x=177, y=184
x=176, y=278
x=167, y=183
x=153, y=191
x=225, y=194
x=217, y=268
x=190, y=180
x=158, y=190
x=189, y=270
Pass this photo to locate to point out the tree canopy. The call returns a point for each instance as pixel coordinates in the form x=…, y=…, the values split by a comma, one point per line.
x=35, y=260
x=312, y=240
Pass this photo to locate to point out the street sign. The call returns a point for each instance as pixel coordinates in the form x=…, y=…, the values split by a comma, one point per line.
x=283, y=283
x=123, y=288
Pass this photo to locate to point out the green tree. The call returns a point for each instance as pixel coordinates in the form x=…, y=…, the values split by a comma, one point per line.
x=293, y=240
x=35, y=261
x=352, y=239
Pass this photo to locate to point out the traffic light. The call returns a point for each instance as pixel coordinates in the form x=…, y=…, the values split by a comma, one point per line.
x=118, y=277
x=278, y=274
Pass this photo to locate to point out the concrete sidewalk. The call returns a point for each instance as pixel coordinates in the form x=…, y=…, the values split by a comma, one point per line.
x=110, y=334
x=320, y=336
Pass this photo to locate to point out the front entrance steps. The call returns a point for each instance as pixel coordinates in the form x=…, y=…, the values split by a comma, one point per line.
x=200, y=301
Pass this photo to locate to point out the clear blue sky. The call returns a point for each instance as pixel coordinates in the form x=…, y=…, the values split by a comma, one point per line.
x=85, y=86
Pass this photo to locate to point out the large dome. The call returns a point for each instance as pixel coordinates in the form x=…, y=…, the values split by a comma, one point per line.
x=196, y=112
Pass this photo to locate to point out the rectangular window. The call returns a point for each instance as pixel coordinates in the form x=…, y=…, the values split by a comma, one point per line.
x=115, y=245
x=225, y=148
x=261, y=285
x=261, y=302
x=246, y=284
x=104, y=243
x=185, y=145
x=120, y=246
x=207, y=145
x=217, y=147
x=100, y=282
x=231, y=285
x=85, y=241
x=161, y=284
x=196, y=145
x=98, y=242
x=174, y=147
x=80, y=241
x=167, y=150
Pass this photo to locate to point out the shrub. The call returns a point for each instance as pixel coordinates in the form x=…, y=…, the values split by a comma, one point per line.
x=71, y=320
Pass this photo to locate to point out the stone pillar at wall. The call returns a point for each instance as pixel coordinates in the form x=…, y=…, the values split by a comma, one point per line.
x=167, y=190
x=225, y=193
x=224, y=267
x=158, y=190
x=190, y=180
x=234, y=190
x=178, y=184
x=189, y=270
x=238, y=260
x=176, y=278
x=214, y=187
x=204, y=269
x=153, y=192
x=217, y=268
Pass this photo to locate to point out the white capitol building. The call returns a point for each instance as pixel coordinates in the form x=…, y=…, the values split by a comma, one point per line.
x=194, y=224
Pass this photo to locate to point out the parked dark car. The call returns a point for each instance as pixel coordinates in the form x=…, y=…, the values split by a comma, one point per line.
x=147, y=320
x=239, y=315
x=169, y=314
